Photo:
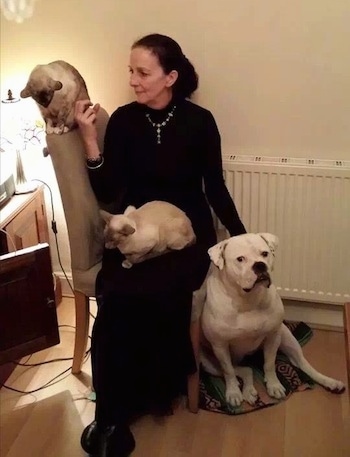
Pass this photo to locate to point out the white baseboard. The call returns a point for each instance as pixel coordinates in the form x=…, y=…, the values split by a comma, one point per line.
x=317, y=315
x=66, y=290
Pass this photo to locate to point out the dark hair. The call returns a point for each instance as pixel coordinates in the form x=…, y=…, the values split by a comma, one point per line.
x=171, y=58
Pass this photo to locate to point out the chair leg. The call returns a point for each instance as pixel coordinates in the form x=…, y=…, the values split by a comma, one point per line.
x=193, y=379
x=82, y=318
x=347, y=338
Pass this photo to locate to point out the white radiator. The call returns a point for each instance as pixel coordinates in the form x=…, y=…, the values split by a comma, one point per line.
x=306, y=203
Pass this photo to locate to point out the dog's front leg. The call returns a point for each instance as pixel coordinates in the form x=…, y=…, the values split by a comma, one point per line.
x=273, y=385
x=233, y=395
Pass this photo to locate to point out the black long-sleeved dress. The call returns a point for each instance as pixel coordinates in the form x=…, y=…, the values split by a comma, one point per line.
x=141, y=351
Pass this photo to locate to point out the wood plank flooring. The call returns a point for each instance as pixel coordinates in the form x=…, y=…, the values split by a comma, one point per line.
x=49, y=422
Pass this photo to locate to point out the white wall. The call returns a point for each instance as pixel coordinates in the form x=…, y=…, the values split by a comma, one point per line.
x=274, y=73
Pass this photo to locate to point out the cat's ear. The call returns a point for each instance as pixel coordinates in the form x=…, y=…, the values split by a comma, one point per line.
x=106, y=216
x=58, y=85
x=55, y=85
x=127, y=229
x=25, y=93
x=129, y=210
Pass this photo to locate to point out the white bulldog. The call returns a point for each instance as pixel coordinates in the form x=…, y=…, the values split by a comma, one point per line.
x=242, y=313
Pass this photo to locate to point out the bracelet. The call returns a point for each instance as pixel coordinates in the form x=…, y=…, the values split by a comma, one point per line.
x=93, y=164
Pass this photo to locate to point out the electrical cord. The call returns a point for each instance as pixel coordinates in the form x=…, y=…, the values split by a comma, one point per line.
x=11, y=239
x=55, y=231
x=52, y=381
x=48, y=383
x=62, y=359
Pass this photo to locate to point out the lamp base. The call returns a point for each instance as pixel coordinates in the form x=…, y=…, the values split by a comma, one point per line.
x=26, y=187
x=22, y=185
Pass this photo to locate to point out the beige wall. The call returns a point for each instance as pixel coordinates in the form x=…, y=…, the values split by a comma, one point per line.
x=276, y=74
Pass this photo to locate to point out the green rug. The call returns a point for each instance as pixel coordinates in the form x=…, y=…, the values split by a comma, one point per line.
x=212, y=388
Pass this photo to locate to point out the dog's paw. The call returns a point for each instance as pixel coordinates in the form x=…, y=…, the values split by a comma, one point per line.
x=275, y=389
x=250, y=394
x=334, y=386
x=234, y=396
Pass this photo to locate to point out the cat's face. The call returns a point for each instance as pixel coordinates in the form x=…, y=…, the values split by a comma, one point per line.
x=118, y=229
x=41, y=88
x=43, y=97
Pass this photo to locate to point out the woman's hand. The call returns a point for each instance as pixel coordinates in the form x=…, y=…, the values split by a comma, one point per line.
x=85, y=115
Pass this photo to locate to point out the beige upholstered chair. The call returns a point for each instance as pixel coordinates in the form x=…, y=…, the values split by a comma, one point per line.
x=85, y=233
x=347, y=339
x=85, y=230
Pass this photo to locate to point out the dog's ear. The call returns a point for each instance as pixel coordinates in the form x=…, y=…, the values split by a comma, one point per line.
x=216, y=254
x=106, y=216
x=271, y=240
x=25, y=93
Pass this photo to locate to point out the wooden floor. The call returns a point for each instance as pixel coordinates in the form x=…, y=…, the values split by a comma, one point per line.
x=48, y=423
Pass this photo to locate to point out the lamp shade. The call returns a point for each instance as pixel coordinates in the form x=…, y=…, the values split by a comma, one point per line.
x=19, y=131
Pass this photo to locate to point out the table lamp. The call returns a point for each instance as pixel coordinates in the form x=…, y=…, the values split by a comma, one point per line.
x=18, y=133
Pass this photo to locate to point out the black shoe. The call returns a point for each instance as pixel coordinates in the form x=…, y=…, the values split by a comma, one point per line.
x=116, y=441
x=90, y=438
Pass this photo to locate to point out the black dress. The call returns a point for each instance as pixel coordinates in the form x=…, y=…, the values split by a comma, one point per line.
x=141, y=350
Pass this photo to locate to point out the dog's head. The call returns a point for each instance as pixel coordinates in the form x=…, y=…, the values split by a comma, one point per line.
x=247, y=259
x=117, y=229
x=40, y=86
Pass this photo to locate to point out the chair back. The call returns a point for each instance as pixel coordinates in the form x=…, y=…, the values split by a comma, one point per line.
x=81, y=209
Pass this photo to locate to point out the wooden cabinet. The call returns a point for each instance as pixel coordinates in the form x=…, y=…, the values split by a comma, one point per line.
x=28, y=319
x=24, y=221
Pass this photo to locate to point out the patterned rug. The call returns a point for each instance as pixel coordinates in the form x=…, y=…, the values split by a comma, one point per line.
x=212, y=388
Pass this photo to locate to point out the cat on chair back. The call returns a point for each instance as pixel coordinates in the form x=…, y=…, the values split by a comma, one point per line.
x=56, y=87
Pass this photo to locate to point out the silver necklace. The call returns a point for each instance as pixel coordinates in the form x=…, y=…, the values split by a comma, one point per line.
x=159, y=125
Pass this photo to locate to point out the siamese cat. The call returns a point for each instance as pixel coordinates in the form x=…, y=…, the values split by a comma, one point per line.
x=149, y=231
x=56, y=87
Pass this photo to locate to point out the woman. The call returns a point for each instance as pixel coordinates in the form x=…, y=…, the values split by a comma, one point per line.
x=160, y=147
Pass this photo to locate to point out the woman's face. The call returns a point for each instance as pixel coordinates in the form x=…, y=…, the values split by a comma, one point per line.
x=151, y=85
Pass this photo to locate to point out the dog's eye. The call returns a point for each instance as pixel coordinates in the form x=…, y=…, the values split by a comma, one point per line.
x=240, y=258
x=265, y=253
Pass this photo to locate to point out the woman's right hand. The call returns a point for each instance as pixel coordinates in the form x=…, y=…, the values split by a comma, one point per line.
x=85, y=115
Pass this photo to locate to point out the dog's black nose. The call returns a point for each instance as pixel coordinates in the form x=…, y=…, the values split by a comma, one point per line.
x=259, y=267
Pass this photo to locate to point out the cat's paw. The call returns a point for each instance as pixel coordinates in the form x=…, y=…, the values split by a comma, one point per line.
x=65, y=129
x=57, y=130
x=126, y=264
x=49, y=130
